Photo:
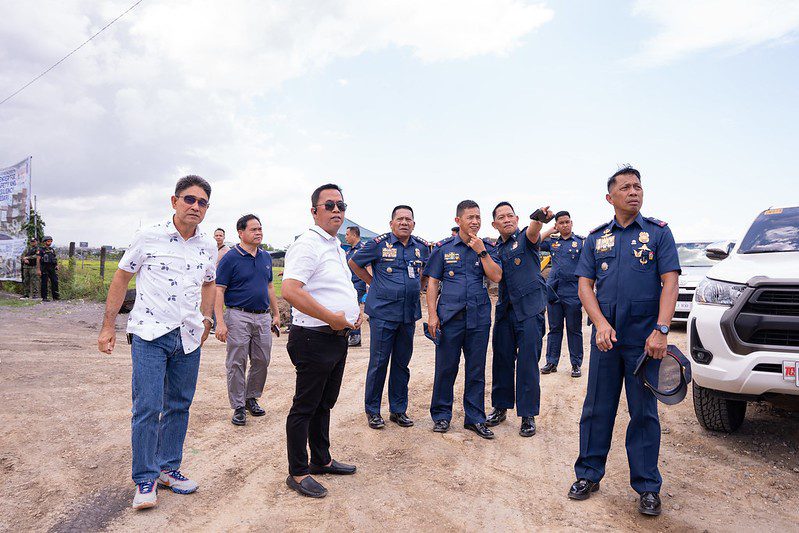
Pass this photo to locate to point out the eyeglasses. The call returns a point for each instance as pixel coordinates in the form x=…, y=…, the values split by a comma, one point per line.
x=330, y=204
x=188, y=199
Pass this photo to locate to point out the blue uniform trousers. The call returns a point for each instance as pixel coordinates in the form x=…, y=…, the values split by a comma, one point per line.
x=390, y=341
x=571, y=310
x=474, y=342
x=517, y=344
x=606, y=371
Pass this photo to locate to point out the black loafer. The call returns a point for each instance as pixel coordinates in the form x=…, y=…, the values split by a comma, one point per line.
x=480, y=429
x=252, y=406
x=401, y=419
x=496, y=417
x=307, y=487
x=441, y=426
x=549, y=368
x=528, y=426
x=649, y=504
x=582, y=489
x=239, y=417
x=376, y=421
x=576, y=372
x=336, y=468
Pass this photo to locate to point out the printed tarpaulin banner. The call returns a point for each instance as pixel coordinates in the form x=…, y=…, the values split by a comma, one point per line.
x=15, y=187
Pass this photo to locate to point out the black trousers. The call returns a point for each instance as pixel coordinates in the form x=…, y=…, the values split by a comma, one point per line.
x=319, y=360
x=49, y=272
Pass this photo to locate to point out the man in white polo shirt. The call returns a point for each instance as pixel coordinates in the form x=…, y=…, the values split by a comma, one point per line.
x=317, y=284
x=175, y=268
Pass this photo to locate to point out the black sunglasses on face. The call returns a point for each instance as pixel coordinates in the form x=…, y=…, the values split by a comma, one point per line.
x=189, y=200
x=330, y=204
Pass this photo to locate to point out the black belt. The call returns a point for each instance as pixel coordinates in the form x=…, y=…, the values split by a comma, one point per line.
x=327, y=330
x=253, y=311
x=460, y=315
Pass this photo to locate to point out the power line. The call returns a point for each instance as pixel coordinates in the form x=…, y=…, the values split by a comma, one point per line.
x=12, y=95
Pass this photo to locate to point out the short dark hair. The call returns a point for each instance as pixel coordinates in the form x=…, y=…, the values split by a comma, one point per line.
x=626, y=169
x=561, y=214
x=455, y=228
x=318, y=191
x=500, y=204
x=355, y=230
x=191, y=180
x=394, y=211
x=241, y=224
x=464, y=205
x=220, y=229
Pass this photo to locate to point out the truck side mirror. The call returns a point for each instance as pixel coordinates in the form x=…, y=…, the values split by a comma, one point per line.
x=719, y=250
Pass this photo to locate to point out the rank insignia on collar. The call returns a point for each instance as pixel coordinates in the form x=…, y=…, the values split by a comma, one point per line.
x=515, y=245
x=643, y=237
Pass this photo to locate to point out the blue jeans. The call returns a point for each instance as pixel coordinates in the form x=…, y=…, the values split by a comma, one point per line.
x=164, y=379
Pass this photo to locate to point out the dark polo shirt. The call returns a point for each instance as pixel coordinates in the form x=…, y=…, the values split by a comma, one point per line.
x=245, y=278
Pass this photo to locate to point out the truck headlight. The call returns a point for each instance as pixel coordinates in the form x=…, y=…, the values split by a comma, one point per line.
x=715, y=292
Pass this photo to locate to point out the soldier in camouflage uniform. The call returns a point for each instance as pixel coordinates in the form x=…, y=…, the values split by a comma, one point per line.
x=30, y=281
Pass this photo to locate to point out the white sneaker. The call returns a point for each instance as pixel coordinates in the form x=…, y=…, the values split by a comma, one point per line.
x=145, y=495
x=177, y=482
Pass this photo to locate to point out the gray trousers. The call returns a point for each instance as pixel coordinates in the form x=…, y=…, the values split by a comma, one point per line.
x=249, y=337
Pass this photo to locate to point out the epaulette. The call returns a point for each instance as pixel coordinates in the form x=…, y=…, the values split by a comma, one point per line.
x=489, y=241
x=381, y=237
x=578, y=236
x=655, y=221
x=422, y=241
x=601, y=226
x=442, y=241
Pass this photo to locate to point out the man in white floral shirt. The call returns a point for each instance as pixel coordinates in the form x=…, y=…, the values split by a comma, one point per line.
x=175, y=268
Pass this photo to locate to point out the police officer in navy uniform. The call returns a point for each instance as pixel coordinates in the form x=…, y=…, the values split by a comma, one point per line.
x=353, y=238
x=460, y=318
x=518, y=321
x=563, y=303
x=397, y=259
x=632, y=262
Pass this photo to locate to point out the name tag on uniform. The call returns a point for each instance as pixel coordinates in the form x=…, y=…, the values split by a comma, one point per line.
x=411, y=272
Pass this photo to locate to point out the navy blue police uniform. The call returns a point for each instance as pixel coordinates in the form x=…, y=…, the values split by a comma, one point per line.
x=518, y=326
x=393, y=307
x=464, y=312
x=358, y=283
x=627, y=264
x=566, y=305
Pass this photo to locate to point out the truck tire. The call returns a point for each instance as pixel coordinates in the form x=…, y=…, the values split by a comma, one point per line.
x=718, y=414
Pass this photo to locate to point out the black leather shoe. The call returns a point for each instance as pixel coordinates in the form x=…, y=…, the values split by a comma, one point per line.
x=480, y=429
x=528, y=426
x=649, y=504
x=497, y=415
x=339, y=469
x=549, y=368
x=376, y=421
x=576, y=372
x=239, y=417
x=441, y=426
x=307, y=487
x=582, y=489
x=252, y=406
x=401, y=419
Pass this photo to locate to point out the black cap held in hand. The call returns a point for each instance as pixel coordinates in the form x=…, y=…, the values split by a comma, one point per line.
x=540, y=216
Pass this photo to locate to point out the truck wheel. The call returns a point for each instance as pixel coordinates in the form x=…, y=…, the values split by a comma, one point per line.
x=717, y=414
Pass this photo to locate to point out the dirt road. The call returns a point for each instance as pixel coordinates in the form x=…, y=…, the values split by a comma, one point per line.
x=65, y=452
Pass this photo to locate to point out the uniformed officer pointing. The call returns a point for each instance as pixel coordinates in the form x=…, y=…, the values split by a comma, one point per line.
x=392, y=304
x=632, y=262
x=460, y=318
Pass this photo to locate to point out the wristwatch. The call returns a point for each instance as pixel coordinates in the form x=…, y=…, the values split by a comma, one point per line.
x=482, y=254
x=663, y=329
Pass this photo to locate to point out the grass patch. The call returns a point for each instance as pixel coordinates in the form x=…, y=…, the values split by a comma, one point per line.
x=14, y=302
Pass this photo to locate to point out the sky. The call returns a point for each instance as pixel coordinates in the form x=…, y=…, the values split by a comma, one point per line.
x=413, y=102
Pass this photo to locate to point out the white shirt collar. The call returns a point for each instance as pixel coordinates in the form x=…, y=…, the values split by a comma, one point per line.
x=172, y=231
x=325, y=235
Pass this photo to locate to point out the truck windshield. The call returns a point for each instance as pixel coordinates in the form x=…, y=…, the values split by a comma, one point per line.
x=692, y=254
x=774, y=230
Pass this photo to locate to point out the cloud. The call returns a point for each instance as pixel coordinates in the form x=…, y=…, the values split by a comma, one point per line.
x=688, y=26
x=174, y=86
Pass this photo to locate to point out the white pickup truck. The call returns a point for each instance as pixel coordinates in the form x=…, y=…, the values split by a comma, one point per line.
x=743, y=329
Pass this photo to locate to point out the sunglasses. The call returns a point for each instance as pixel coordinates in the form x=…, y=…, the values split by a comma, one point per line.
x=188, y=199
x=330, y=204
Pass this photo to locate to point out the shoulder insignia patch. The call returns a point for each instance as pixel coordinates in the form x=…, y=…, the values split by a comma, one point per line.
x=380, y=237
x=422, y=241
x=654, y=220
x=601, y=226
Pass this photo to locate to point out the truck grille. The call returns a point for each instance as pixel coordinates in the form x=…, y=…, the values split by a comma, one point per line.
x=769, y=318
x=685, y=297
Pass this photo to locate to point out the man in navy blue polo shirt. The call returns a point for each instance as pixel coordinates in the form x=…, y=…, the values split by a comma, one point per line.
x=244, y=283
x=353, y=238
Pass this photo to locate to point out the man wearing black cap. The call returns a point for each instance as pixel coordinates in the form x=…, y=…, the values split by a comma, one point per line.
x=633, y=264
x=47, y=268
x=563, y=303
